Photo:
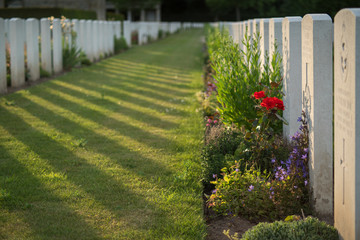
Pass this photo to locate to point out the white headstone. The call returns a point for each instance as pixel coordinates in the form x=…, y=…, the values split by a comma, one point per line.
x=275, y=36
x=17, y=56
x=57, y=46
x=112, y=35
x=347, y=124
x=32, y=48
x=67, y=33
x=256, y=26
x=118, y=29
x=317, y=87
x=89, y=40
x=76, y=30
x=264, y=40
x=3, y=80
x=245, y=33
x=127, y=32
x=95, y=40
x=101, y=38
x=250, y=27
x=45, y=45
x=82, y=35
x=291, y=52
x=7, y=26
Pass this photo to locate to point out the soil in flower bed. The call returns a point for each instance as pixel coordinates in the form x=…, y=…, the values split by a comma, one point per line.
x=216, y=227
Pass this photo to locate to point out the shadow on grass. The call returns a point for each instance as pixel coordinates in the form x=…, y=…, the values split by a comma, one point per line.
x=103, y=90
x=83, y=175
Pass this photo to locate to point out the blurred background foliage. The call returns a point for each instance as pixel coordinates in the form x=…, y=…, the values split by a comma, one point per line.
x=235, y=10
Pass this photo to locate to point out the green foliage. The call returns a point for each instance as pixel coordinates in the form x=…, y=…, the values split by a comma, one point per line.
x=46, y=12
x=239, y=75
x=120, y=44
x=44, y=73
x=208, y=102
x=126, y=4
x=279, y=190
x=220, y=144
x=71, y=57
x=242, y=192
x=307, y=229
x=161, y=34
x=134, y=38
x=114, y=16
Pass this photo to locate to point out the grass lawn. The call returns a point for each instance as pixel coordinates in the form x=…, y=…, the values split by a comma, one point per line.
x=109, y=151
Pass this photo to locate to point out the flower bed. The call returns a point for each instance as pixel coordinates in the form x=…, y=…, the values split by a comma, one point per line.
x=249, y=168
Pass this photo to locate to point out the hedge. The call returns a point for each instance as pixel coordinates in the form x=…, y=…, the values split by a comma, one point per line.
x=46, y=12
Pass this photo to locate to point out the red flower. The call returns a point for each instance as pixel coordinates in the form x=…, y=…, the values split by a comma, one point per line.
x=260, y=94
x=279, y=104
x=272, y=102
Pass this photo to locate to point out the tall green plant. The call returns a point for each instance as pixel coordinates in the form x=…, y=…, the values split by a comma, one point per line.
x=239, y=74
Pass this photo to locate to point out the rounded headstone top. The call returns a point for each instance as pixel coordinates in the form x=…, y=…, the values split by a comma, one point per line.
x=317, y=17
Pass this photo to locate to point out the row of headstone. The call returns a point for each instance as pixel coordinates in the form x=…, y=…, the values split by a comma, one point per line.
x=95, y=38
x=306, y=47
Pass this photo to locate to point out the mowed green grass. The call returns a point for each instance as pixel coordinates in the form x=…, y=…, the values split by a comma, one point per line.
x=109, y=151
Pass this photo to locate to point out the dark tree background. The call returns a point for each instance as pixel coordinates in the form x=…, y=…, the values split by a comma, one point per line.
x=235, y=10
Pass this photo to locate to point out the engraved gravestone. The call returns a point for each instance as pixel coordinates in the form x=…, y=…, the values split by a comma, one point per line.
x=347, y=123
x=291, y=52
x=317, y=87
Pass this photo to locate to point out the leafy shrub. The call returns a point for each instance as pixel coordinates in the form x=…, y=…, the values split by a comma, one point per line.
x=44, y=73
x=45, y=12
x=266, y=194
x=307, y=229
x=120, y=44
x=134, y=38
x=264, y=141
x=71, y=57
x=242, y=192
x=220, y=144
x=239, y=75
x=161, y=34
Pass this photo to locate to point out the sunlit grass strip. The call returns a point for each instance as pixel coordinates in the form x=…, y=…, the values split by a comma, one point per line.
x=107, y=152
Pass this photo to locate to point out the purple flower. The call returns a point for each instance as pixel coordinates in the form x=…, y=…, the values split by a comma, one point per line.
x=214, y=175
x=299, y=119
x=273, y=160
x=306, y=182
x=271, y=188
x=251, y=188
x=306, y=150
x=237, y=170
x=304, y=156
x=272, y=193
x=295, y=187
x=214, y=191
